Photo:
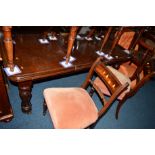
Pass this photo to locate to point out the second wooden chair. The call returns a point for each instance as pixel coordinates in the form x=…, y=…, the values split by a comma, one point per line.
x=74, y=107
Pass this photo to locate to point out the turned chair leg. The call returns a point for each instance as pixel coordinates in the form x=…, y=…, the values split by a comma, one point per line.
x=44, y=108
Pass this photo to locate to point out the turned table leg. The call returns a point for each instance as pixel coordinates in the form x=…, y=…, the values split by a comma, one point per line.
x=71, y=40
x=8, y=46
x=25, y=95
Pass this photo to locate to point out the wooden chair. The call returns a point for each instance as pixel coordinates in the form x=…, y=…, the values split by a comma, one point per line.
x=134, y=67
x=130, y=37
x=74, y=107
x=135, y=71
x=121, y=38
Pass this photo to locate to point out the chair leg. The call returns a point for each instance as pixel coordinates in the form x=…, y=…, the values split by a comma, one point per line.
x=121, y=102
x=44, y=108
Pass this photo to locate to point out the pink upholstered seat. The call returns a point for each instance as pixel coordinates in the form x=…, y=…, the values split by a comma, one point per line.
x=70, y=107
x=128, y=69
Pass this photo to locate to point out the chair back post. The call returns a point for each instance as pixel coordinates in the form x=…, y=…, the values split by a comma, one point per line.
x=90, y=73
x=140, y=32
x=117, y=37
x=105, y=39
x=145, y=58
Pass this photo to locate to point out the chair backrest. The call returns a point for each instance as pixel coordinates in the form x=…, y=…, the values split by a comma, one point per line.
x=114, y=86
x=126, y=37
x=141, y=57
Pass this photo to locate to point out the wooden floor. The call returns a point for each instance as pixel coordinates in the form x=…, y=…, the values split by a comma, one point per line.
x=38, y=61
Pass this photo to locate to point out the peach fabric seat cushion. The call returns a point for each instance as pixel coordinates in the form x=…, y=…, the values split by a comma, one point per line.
x=128, y=69
x=121, y=77
x=70, y=107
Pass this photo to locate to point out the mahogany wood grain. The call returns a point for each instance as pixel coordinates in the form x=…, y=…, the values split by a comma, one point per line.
x=41, y=61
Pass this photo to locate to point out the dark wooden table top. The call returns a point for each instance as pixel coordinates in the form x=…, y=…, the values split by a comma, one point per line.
x=38, y=61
